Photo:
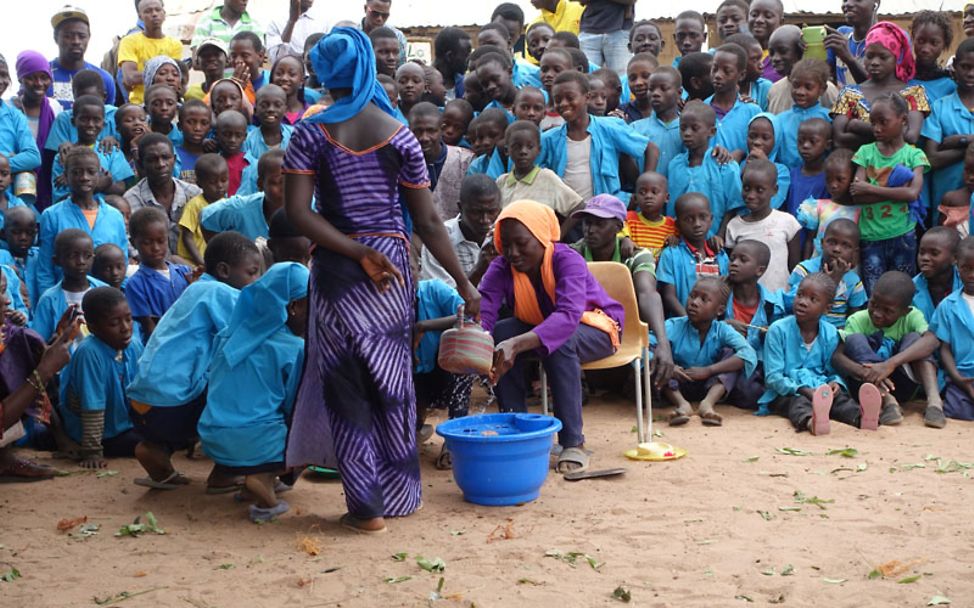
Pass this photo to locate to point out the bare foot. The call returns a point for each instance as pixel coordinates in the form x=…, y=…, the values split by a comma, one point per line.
x=155, y=460
x=374, y=525
x=261, y=487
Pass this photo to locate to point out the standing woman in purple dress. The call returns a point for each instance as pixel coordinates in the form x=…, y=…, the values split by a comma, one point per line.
x=356, y=405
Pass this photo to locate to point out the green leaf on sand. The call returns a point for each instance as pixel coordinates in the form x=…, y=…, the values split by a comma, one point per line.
x=812, y=500
x=434, y=565
x=227, y=566
x=394, y=580
x=743, y=598
x=909, y=579
x=571, y=558
x=767, y=516
x=793, y=452
x=528, y=581
x=834, y=581
x=874, y=574
x=789, y=508
x=844, y=452
x=400, y=557
x=752, y=459
x=106, y=473
x=622, y=594
x=137, y=528
x=768, y=572
x=938, y=600
x=122, y=596
x=10, y=575
x=788, y=570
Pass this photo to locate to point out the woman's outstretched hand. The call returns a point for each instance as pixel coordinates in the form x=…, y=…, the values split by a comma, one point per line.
x=380, y=269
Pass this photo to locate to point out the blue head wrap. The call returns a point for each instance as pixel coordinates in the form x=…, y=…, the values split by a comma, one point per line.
x=261, y=309
x=775, y=128
x=344, y=59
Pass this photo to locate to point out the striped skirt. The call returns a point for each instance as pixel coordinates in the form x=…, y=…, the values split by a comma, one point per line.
x=356, y=406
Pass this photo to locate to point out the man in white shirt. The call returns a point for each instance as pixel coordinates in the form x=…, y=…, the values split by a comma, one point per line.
x=288, y=38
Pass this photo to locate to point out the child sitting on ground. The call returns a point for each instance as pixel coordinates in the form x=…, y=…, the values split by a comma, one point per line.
x=955, y=206
x=273, y=133
x=663, y=126
x=809, y=179
x=680, y=266
x=83, y=210
x=529, y=181
x=840, y=255
x=73, y=253
x=158, y=282
x=707, y=353
x=953, y=324
x=260, y=354
x=486, y=137
x=750, y=310
x=938, y=276
x=647, y=226
x=250, y=214
x=212, y=176
x=802, y=384
x=777, y=229
x=109, y=265
x=698, y=170
x=815, y=214
x=94, y=406
x=195, y=120
x=20, y=232
x=166, y=413
x=890, y=345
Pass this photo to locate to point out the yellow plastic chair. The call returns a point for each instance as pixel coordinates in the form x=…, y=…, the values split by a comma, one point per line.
x=616, y=280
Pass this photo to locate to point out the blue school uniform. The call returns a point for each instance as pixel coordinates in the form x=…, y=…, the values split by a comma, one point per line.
x=922, y=300
x=804, y=187
x=26, y=270
x=721, y=184
x=665, y=136
x=254, y=145
x=788, y=123
x=434, y=299
x=948, y=116
x=150, y=293
x=771, y=308
x=690, y=351
x=63, y=129
x=13, y=288
x=937, y=88
x=678, y=267
x=609, y=138
x=953, y=324
x=491, y=165
x=759, y=92
x=256, y=356
x=16, y=141
x=51, y=305
x=524, y=74
x=790, y=366
x=113, y=161
x=849, y=293
x=245, y=214
x=732, y=128
x=181, y=347
x=109, y=228
x=12, y=201
x=95, y=380
x=784, y=174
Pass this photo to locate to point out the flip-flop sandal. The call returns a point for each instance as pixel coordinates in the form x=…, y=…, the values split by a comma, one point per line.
x=870, y=404
x=579, y=475
x=711, y=419
x=244, y=496
x=346, y=522
x=214, y=490
x=175, y=481
x=26, y=471
x=261, y=515
x=934, y=417
x=678, y=418
x=572, y=455
x=444, y=462
x=821, y=407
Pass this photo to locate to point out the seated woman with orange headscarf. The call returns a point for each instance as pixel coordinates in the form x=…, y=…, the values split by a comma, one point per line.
x=561, y=314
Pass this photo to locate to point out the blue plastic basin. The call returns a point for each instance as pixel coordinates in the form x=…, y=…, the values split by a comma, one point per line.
x=500, y=459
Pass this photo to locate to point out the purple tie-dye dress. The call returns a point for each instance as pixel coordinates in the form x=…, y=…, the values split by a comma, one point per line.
x=356, y=407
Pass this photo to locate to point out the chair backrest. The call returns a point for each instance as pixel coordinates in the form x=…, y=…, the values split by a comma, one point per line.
x=616, y=280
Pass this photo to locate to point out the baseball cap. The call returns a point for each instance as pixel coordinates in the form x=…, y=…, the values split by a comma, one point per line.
x=213, y=42
x=68, y=13
x=604, y=206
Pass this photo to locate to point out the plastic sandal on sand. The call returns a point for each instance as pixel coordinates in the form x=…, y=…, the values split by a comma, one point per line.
x=870, y=403
x=821, y=408
x=175, y=481
x=260, y=515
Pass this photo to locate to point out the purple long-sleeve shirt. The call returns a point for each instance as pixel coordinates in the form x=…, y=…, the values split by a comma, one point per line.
x=576, y=291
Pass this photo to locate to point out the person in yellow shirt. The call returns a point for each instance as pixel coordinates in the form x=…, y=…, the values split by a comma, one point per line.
x=561, y=15
x=135, y=49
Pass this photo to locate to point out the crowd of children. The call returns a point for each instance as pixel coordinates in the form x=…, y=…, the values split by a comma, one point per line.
x=801, y=223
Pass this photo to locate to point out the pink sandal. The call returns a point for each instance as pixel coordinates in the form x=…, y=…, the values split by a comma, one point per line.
x=870, y=404
x=821, y=407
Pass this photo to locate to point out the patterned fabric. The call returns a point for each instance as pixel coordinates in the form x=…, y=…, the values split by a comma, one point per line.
x=356, y=403
x=853, y=104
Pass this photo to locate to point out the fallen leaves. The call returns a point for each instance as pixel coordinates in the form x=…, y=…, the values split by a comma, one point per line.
x=122, y=596
x=846, y=452
x=893, y=568
x=137, y=528
x=310, y=545
x=571, y=558
x=622, y=594
x=395, y=580
x=938, y=600
x=69, y=523
x=433, y=565
x=812, y=500
x=503, y=531
x=10, y=575
x=793, y=452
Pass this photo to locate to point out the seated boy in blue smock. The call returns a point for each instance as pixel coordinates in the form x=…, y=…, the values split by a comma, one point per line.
x=953, y=324
x=250, y=214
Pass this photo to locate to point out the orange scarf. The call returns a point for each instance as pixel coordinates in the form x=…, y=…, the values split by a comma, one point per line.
x=541, y=222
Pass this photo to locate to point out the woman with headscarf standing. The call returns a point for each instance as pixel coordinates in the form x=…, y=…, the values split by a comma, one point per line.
x=356, y=404
x=561, y=314
x=34, y=74
x=890, y=64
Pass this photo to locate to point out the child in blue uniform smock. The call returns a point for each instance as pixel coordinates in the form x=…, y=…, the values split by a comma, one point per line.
x=809, y=80
x=681, y=265
x=733, y=114
x=801, y=383
x=20, y=232
x=707, y=352
x=250, y=214
x=73, y=253
x=938, y=276
x=486, y=135
x=180, y=351
x=158, y=282
x=273, y=133
x=258, y=356
x=662, y=127
x=16, y=140
x=7, y=199
x=94, y=407
x=764, y=140
x=953, y=324
x=82, y=210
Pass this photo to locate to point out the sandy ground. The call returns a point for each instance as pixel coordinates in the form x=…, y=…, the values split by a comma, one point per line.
x=719, y=528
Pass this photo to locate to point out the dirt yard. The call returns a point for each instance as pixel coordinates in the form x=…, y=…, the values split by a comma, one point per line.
x=755, y=515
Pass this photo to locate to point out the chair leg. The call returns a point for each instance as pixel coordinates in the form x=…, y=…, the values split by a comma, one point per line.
x=544, y=389
x=638, y=372
x=648, y=392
